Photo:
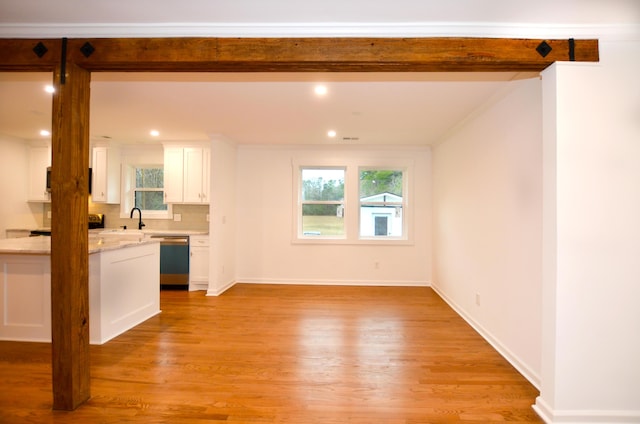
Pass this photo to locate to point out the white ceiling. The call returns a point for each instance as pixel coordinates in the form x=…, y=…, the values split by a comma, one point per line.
x=413, y=109
x=251, y=14
x=281, y=108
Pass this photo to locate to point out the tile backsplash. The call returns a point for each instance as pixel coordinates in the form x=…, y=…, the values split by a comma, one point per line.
x=194, y=217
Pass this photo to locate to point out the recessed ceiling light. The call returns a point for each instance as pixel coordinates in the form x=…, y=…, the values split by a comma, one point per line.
x=320, y=90
x=49, y=89
x=45, y=133
x=331, y=133
x=154, y=133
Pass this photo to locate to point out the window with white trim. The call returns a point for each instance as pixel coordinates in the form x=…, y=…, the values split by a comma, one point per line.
x=326, y=209
x=143, y=188
x=381, y=195
x=322, y=202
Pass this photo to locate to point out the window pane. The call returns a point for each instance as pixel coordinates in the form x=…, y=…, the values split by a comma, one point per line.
x=378, y=181
x=322, y=184
x=150, y=200
x=323, y=220
x=381, y=201
x=149, y=177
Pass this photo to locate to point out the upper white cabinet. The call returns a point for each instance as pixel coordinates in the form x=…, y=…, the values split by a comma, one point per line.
x=196, y=175
x=173, y=174
x=106, y=174
x=39, y=160
x=186, y=174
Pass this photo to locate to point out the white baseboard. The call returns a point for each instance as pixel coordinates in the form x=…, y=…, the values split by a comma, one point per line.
x=513, y=359
x=220, y=290
x=550, y=416
x=308, y=282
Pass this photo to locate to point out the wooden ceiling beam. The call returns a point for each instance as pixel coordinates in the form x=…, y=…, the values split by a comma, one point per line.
x=302, y=54
x=29, y=55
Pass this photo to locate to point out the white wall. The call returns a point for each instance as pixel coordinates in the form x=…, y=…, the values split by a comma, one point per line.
x=15, y=212
x=591, y=338
x=222, y=218
x=487, y=222
x=265, y=252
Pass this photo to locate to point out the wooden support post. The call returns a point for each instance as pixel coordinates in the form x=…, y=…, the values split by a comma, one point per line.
x=69, y=238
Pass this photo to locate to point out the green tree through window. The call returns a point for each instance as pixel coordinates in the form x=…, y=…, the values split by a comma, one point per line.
x=322, y=202
x=149, y=191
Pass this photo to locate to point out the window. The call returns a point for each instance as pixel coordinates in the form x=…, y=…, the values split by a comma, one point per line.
x=322, y=202
x=354, y=203
x=143, y=187
x=381, y=195
x=148, y=191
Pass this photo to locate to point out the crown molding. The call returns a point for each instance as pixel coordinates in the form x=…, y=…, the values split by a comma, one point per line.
x=284, y=30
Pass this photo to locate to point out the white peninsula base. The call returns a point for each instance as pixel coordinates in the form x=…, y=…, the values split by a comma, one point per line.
x=124, y=290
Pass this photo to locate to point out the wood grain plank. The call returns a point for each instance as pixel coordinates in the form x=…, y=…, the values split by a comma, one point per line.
x=447, y=54
x=19, y=55
x=69, y=238
x=325, y=54
x=284, y=354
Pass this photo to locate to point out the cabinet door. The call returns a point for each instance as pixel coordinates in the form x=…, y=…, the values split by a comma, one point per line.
x=192, y=175
x=99, y=177
x=39, y=160
x=173, y=174
x=106, y=175
x=199, y=262
x=206, y=174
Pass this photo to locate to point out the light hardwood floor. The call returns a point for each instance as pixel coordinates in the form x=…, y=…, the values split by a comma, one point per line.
x=283, y=354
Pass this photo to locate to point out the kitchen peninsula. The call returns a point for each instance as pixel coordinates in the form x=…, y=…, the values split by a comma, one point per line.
x=124, y=286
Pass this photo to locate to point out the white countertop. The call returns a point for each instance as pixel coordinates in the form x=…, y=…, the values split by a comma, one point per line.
x=41, y=245
x=152, y=232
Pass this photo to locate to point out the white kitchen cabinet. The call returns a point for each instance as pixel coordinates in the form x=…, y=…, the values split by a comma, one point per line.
x=199, y=262
x=106, y=175
x=124, y=290
x=186, y=174
x=196, y=175
x=39, y=160
x=173, y=174
x=25, y=297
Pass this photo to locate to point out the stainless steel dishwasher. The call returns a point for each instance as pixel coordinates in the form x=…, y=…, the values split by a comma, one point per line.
x=174, y=262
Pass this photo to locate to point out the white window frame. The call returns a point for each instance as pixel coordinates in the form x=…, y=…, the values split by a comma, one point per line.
x=352, y=202
x=403, y=203
x=300, y=202
x=128, y=193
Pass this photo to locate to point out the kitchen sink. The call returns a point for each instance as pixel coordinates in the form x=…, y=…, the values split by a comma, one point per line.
x=125, y=235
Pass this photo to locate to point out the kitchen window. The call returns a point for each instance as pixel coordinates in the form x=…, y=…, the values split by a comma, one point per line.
x=143, y=187
x=148, y=192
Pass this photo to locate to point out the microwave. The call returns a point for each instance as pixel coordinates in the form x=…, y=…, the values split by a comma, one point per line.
x=49, y=179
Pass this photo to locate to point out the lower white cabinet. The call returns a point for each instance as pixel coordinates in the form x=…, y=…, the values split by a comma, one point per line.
x=122, y=292
x=198, y=262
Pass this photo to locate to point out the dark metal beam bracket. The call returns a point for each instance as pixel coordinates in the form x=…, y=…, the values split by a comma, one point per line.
x=63, y=62
x=40, y=49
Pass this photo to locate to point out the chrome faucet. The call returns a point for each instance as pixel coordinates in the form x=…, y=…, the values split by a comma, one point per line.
x=140, y=223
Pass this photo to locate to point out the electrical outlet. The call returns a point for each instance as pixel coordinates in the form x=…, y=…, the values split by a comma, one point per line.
x=478, y=299
x=49, y=214
x=177, y=217
x=207, y=217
